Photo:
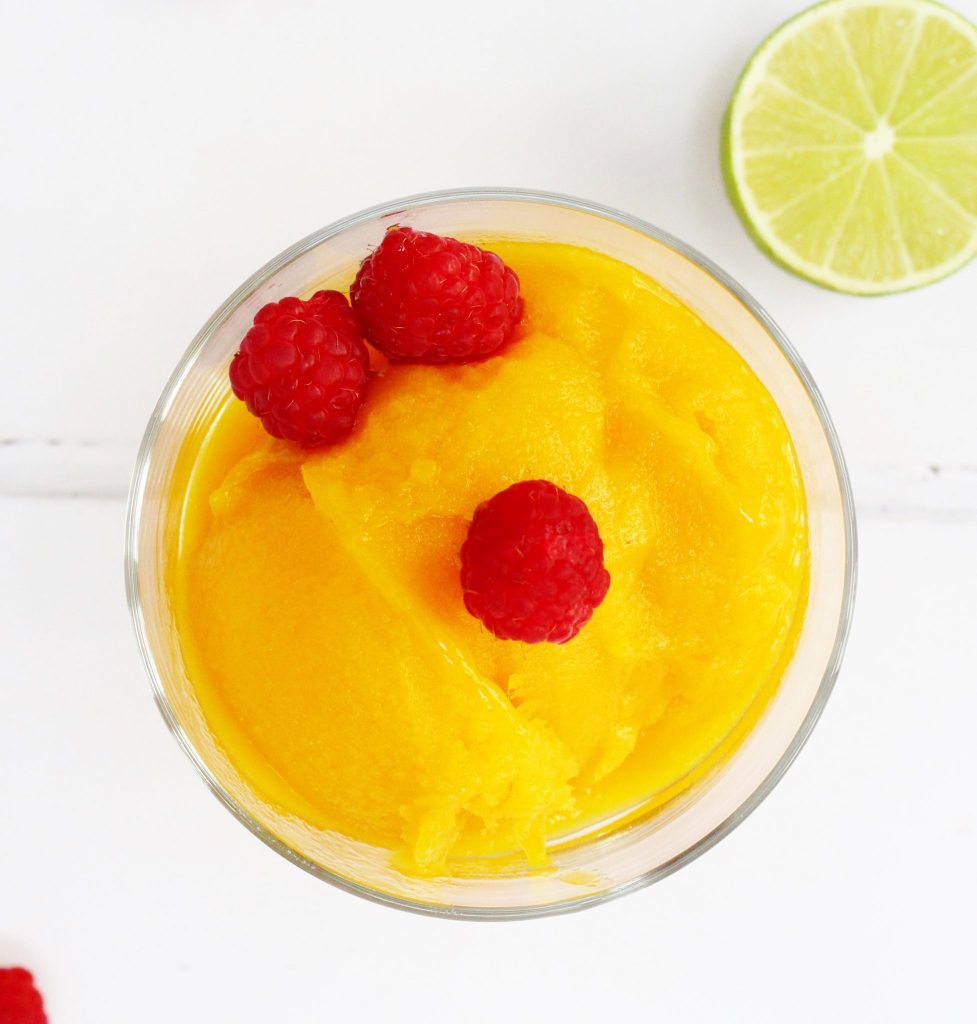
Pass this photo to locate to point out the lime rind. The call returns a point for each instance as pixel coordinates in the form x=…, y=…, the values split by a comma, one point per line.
x=854, y=142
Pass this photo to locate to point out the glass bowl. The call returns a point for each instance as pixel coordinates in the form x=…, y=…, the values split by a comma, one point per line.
x=606, y=861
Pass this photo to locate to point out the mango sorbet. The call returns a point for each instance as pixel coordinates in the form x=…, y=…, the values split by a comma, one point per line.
x=319, y=607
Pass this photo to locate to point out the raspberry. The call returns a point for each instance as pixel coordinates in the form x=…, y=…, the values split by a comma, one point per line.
x=20, y=1002
x=426, y=299
x=532, y=567
x=302, y=369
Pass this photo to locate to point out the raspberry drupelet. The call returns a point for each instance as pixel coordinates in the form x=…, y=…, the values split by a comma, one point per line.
x=532, y=566
x=427, y=299
x=20, y=1002
x=302, y=369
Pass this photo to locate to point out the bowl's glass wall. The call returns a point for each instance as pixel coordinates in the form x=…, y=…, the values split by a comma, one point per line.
x=589, y=868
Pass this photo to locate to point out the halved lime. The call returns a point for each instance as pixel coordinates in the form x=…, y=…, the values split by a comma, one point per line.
x=850, y=144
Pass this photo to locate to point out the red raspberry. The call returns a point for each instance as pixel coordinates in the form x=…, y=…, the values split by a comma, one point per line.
x=20, y=1002
x=302, y=369
x=532, y=567
x=426, y=299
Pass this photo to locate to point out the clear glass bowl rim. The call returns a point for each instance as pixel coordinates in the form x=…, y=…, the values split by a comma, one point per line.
x=447, y=196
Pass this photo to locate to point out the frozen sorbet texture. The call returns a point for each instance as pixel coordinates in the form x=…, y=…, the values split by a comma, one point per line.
x=319, y=606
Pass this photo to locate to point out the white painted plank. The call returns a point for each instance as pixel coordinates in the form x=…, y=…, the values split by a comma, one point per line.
x=849, y=895
x=157, y=154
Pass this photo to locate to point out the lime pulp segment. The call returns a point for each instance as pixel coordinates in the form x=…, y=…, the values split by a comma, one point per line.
x=850, y=144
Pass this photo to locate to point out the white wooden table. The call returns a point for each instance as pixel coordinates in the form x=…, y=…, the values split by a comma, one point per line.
x=155, y=153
